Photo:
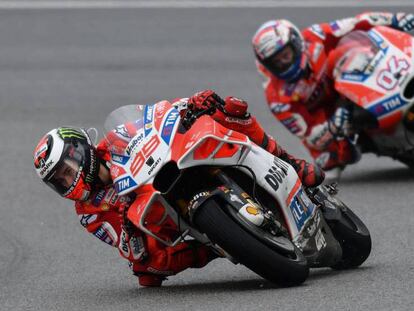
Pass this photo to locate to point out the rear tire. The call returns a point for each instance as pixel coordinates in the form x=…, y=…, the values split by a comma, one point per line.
x=224, y=230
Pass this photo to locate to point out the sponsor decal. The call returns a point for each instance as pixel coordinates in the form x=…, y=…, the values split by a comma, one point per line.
x=387, y=105
x=354, y=77
x=299, y=214
x=295, y=124
x=301, y=209
x=149, y=114
x=181, y=104
x=279, y=107
x=137, y=247
x=96, y=201
x=312, y=226
x=45, y=166
x=155, y=271
x=169, y=125
x=122, y=131
x=320, y=240
x=116, y=171
x=123, y=246
x=40, y=154
x=150, y=161
x=377, y=39
x=124, y=183
x=75, y=182
x=194, y=202
x=317, y=30
x=106, y=233
x=374, y=62
x=320, y=136
x=145, y=152
x=235, y=198
x=117, y=158
x=245, y=195
x=65, y=132
x=239, y=121
x=252, y=210
x=276, y=174
x=111, y=196
x=154, y=166
x=92, y=169
x=342, y=26
x=87, y=219
x=134, y=142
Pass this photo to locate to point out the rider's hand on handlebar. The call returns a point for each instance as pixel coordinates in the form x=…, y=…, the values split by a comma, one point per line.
x=340, y=124
x=403, y=21
x=205, y=100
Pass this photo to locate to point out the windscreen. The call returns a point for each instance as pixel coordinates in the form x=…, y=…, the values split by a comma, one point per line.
x=122, y=125
x=354, y=53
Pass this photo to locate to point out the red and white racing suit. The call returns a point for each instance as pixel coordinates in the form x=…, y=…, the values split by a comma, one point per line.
x=150, y=260
x=305, y=106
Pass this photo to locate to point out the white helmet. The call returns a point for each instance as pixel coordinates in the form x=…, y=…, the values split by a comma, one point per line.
x=279, y=47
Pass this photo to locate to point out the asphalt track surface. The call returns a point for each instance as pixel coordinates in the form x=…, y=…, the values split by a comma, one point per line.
x=72, y=67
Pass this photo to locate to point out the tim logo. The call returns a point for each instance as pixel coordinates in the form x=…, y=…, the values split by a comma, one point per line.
x=124, y=183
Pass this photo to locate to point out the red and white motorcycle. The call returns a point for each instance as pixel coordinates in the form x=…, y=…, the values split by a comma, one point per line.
x=374, y=70
x=212, y=184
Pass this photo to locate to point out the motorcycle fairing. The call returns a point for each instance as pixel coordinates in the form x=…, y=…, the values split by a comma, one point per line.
x=368, y=88
x=205, y=143
x=148, y=150
x=152, y=214
x=282, y=182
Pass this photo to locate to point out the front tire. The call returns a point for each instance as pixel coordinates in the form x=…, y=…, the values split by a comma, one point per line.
x=354, y=238
x=224, y=230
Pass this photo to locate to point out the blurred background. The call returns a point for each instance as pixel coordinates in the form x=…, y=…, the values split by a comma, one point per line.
x=72, y=66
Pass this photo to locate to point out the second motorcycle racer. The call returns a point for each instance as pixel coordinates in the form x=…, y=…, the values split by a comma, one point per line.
x=298, y=82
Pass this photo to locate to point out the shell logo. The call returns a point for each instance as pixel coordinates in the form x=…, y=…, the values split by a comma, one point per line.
x=252, y=210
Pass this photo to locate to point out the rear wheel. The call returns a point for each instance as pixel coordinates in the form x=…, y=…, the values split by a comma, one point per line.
x=225, y=230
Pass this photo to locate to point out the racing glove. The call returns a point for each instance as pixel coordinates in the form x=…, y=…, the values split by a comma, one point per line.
x=204, y=100
x=403, y=21
x=340, y=124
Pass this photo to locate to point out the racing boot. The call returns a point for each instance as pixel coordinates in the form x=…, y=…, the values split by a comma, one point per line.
x=310, y=175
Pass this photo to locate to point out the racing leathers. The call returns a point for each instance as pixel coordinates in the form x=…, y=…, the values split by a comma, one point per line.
x=103, y=214
x=309, y=107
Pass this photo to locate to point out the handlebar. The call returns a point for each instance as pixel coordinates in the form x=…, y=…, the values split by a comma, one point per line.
x=191, y=116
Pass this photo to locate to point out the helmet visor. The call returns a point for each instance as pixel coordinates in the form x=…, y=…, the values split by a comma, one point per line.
x=283, y=60
x=64, y=178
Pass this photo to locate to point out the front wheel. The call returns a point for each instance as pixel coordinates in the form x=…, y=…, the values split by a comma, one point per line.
x=354, y=238
x=222, y=228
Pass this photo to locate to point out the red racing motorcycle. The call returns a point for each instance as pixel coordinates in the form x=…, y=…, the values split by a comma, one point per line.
x=374, y=71
x=206, y=182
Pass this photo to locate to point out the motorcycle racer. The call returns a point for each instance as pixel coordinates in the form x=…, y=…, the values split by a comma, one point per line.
x=298, y=82
x=67, y=161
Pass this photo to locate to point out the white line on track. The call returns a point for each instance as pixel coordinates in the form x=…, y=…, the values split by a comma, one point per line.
x=121, y=4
